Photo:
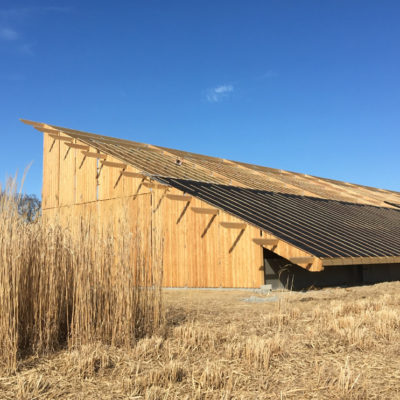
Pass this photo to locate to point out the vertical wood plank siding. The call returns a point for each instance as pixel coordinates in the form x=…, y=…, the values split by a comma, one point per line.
x=198, y=252
x=51, y=175
x=86, y=172
x=309, y=218
x=67, y=178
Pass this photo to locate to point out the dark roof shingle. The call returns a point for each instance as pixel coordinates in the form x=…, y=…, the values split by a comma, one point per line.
x=324, y=228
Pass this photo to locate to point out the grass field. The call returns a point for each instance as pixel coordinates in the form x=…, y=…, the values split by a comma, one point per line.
x=66, y=288
x=339, y=343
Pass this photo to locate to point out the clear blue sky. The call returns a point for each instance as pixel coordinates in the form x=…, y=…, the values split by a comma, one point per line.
x=308, y=86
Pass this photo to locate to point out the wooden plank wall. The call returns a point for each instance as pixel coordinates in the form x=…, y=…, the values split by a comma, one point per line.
x=86, y=173
x=51, y=168
x=198, y=251
x=120, y=219
x=113, y=185
x=68, y=177
x=110, y=181
x=67, y=184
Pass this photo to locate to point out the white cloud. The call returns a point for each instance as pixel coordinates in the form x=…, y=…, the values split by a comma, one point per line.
x=219, y=93
x=224, y=89
x=8, y=34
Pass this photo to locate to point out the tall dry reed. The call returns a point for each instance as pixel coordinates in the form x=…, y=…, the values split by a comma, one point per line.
x=59, y=288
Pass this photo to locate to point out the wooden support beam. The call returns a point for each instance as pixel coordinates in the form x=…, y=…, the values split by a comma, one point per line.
x=55, y=136
x=78, y=146
x=233, y=225
x=94, y=155
x=133, y=174
x=360, y=260
x=265, y=241
x=178, y=197
x=46, y=130
x=200, y=210
x=152, y=185
x=302, y=260
x=114, y=164
x=32, y=123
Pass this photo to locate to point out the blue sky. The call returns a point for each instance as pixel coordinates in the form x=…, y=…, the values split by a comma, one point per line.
x=307, y=86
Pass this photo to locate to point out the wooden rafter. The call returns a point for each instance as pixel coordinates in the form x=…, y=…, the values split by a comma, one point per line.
x=266, y=242
x=78, y=146
x=233, y=225
x=114, y=164
x=178, y=197
x=152, y=185
x=356, y=194
x=94, y=155
x=360, y=260
x=302, y=260
x=47, y=130
x=130, y=174
x=55, y=136
x=270, y=178
x=32, y=123
x=201, y=210
x=200, y=167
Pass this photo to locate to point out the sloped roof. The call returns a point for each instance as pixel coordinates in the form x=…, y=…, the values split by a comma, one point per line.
x=324, y=228
x=325, y=217
x=161, y=161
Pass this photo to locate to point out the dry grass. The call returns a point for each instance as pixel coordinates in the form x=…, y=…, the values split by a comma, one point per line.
x=59, y=289
x=79, y=322
x=328, y=344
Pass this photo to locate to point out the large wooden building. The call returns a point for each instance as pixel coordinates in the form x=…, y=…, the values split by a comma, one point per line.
x=226, y=223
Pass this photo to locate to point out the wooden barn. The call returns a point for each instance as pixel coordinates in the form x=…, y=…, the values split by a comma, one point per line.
x=226, y=223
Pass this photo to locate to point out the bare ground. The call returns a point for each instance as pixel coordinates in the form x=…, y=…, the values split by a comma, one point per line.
x=338, y=343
